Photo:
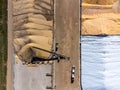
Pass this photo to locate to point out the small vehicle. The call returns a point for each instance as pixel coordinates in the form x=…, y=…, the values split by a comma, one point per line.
x=72, y=74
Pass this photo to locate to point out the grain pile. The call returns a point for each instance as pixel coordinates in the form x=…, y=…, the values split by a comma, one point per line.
x=101, y=2
x=101, y=19
x=32, y=27
x=116, y=6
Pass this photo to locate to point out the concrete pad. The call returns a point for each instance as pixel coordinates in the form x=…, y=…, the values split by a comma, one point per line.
x=31, y=78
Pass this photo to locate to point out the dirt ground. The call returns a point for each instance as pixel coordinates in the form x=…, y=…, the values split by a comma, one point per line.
x=67, y=36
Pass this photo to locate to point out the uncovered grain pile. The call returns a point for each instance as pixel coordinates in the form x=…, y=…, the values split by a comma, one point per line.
x=32, y=27
x=100, y=19
x=101, y=2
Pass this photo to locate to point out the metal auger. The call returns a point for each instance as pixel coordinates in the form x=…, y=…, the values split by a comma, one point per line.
x=54, y=56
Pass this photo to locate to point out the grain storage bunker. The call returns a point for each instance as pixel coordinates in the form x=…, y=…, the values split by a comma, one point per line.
x=33, y=29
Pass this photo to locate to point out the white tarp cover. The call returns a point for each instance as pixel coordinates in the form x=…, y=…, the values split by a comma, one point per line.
x=100, y=62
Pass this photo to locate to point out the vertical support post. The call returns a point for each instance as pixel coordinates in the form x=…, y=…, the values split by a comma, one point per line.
x=67, y=35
